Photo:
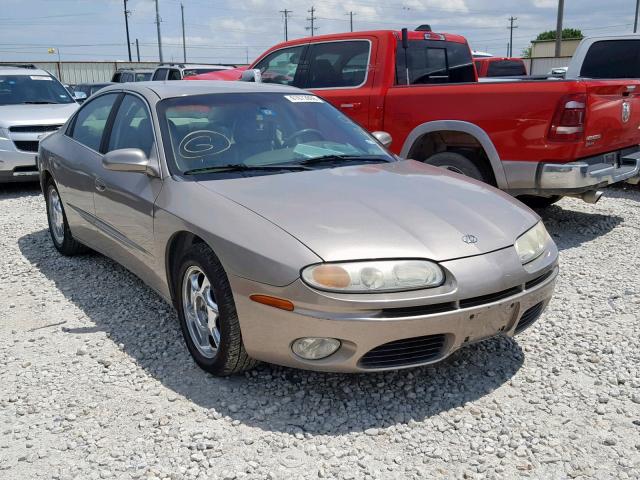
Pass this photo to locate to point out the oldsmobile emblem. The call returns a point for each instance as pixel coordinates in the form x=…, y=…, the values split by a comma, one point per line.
x=470, y=239
x=626, y=112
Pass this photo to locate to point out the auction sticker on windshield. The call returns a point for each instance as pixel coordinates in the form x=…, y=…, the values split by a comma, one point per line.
x=39, y=77
x=303, y=99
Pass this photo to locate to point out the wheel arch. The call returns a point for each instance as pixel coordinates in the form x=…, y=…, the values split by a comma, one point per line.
x=179, y=243
x=437, y=128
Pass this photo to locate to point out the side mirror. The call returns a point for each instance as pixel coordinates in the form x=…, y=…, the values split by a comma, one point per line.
x=128, y=160
x=383, y=137
x=253, y=75
x=79, y=96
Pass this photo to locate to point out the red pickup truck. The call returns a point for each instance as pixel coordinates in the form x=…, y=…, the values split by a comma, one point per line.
x=540, y=139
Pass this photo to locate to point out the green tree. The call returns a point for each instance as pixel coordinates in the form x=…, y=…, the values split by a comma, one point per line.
x=567, y=33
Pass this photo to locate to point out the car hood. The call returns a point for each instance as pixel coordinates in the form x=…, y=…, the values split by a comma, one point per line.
x=394, y=210
x=48, y=114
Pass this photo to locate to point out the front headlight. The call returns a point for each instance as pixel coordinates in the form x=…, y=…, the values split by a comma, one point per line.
x=374, y=276
x=532, y=243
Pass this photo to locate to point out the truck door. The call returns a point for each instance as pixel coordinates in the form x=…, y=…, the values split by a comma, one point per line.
x=339, y=72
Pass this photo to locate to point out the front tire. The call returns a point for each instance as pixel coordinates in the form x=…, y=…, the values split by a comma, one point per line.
x=207, y=314
x=458, y=163
x=58, y=226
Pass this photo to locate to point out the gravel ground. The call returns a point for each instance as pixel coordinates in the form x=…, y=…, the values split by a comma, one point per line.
x=95, y=381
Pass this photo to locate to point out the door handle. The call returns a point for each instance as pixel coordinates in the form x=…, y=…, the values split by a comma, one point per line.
x=351, y=105
x=100, y=186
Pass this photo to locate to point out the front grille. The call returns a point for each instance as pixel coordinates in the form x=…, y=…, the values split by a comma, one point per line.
x=490, y=298
x=418, y=310
x=529, y=317
x=34, y=128
x=27, y=145
x=405, y=352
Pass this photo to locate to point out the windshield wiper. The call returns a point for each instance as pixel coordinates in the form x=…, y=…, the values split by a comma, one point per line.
x=343, y=158
x=241, y=167
x=39, y=102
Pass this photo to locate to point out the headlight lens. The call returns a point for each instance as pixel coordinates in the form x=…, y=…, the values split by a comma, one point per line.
x=374, y=276
x=532, y=243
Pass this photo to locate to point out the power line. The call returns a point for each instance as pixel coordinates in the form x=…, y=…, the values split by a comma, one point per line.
x=511, y=27
x=158, y=27
x=286, y=13
x=559, y=27
x=126, y=26
x=312, y=19
x=351, y=14
x=184, y=43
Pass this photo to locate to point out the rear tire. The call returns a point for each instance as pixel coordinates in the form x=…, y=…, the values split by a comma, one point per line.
x=533, y=201
x=58, y=226
x=458, y=163
x=207, y=314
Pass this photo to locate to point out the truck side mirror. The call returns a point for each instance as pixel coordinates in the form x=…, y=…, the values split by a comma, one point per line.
x=252, y=75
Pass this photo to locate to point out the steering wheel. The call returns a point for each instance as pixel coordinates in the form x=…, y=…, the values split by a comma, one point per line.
x=305, y=131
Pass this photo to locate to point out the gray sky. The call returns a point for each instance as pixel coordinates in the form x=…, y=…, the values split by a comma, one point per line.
x=231, y=31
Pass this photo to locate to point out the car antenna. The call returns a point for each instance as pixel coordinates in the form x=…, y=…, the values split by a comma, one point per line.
x=405, y=46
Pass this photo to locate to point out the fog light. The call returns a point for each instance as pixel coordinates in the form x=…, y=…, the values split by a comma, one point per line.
x=314, y=348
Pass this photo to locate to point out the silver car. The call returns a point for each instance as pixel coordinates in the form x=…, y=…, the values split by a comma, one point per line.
x=281, y=231
x=33, y=103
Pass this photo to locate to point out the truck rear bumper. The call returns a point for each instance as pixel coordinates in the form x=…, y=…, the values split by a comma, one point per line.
x=547, y=179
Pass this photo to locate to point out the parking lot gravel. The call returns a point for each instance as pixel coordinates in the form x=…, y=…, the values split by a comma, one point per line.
x=95, y=381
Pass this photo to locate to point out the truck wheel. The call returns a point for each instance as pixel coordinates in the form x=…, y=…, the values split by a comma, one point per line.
x=207, y=314
x=458, y=163
x=533, y=201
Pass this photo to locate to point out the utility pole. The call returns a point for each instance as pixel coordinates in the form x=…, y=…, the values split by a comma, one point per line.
x=635, y=22
x=511, y=27
x=159, y=37
x=351, y=14
x=126, y=25
x=138, y=49
x=559, y=27
x=184, y=44
x=286, y=13
x=312, y=19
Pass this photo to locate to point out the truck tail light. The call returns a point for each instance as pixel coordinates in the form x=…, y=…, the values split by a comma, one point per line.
x=569, y=119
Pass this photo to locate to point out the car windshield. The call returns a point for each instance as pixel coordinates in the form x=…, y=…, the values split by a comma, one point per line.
x=189, y=72
x=32, y=89
x=260, y=132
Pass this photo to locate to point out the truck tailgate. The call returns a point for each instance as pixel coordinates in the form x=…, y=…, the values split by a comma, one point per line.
x=613, y=116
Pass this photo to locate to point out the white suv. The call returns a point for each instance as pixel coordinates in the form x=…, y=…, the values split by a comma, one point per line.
x=177, y=71
x=33, y=104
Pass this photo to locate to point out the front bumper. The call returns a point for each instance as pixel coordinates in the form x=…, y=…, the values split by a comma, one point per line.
x=442, y=321
x=17, y=166
x=547, y=179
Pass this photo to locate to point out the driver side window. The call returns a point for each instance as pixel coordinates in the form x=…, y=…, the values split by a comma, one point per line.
x=281, y=66
x=132, y=126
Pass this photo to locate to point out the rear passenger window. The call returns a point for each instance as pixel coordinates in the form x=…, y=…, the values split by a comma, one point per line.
x=160, y=74
x=174, y=75
x=132, y=126
x=338, y=64
x=434, y=61
x=612, y=59
x=91, y=119
x=506, y=68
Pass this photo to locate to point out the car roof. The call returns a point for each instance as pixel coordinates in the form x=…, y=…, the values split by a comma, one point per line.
x=7, y=70
x=181, y=88
x=135, y=70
